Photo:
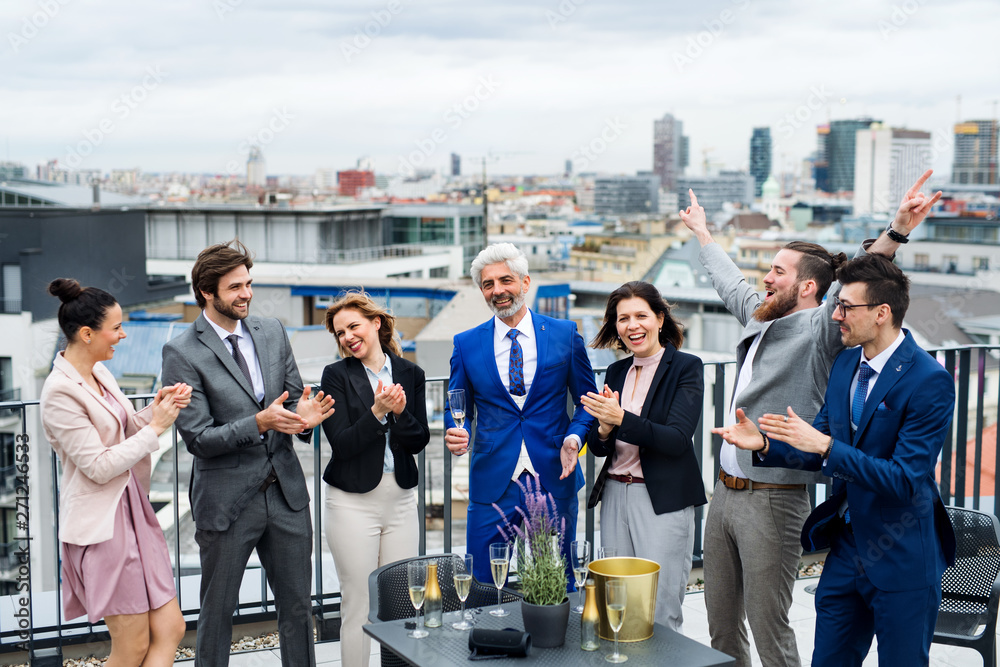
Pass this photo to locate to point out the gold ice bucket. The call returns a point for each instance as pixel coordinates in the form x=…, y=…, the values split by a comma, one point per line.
x=640, y=577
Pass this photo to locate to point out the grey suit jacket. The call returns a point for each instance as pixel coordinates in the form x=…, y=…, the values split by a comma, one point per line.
x=793, y=360
x=219, y=427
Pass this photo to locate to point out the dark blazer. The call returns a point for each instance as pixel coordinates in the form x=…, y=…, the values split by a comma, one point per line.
x=358, y=439
x=886, y=469
x=663, y=431
x=219, y=427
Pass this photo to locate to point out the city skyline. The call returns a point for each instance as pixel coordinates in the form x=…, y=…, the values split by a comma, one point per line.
x=320, y=84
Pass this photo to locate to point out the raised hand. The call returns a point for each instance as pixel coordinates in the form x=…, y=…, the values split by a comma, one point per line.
x=694, y=219
x=915, y=206
x=743, y=433
x=313, y=411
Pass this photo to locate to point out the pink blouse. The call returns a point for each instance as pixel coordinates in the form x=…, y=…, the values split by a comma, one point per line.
x=637, y=382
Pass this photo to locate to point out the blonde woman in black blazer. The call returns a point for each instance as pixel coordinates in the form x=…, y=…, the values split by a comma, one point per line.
x=651, y=482
x=379, y=424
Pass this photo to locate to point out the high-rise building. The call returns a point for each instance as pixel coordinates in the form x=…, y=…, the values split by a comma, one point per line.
x=569, y=168
x=729, y=187
x=670, y=150
x=256, y=168
x=760, y=157
x=456, y=164
x=887, y=162
x=975, y=153
x=821, y=167
x=616, y=195
x=840, y=146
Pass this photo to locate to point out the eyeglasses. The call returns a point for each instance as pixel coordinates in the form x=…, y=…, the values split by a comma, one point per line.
x=843, y=307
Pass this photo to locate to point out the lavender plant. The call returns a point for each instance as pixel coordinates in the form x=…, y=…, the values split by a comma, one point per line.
x=538, y=542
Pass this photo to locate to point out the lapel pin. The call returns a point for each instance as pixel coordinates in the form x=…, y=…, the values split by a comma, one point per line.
x=543, y=327
x=899, y=368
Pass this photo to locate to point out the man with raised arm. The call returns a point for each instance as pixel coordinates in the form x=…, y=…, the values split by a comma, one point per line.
x=783, y=358
x=879, y=434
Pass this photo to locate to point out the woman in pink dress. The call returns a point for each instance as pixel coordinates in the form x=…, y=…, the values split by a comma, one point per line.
x=115, y=562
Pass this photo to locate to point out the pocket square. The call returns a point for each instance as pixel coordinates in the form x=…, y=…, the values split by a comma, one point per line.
x=882, y=406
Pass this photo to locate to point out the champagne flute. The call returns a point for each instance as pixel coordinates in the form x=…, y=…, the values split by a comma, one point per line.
x=579, y=552
x=463, y=584
x=615, y=598
x=456, y=404
x=416, y=579
x=499, y=562
x=607, y=552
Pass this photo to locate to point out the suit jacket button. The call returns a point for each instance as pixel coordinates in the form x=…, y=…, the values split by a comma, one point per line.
x=522, y=417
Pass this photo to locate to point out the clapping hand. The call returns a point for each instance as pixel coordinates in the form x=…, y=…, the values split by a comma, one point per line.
x=605, y=408
x=313, y=411
x=744, y=434
x=388, y=399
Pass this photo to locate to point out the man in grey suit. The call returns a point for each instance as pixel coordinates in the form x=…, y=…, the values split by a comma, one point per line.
x=783, y=358
x=247, y=486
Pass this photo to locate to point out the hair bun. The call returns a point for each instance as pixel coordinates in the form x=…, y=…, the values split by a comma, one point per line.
x=839, y=260
x=66, y=289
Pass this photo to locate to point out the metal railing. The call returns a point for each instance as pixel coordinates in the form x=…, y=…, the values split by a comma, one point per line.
x=974, y=368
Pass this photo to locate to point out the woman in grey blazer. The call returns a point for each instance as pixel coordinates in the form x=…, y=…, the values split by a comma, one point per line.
x=379, y=425
x=646, y=418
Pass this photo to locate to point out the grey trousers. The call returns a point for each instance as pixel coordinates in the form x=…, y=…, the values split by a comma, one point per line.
x=629, y=523
x=752, y=553
x=283, y=539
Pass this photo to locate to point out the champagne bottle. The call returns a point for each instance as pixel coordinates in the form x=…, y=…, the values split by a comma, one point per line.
x=590, y=620
x=432, y=598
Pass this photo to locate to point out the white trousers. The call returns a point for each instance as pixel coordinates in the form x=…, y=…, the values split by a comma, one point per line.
x=366, y=531
x=629, y=523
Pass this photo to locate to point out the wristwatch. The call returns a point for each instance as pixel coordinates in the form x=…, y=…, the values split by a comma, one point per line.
x=896, y=236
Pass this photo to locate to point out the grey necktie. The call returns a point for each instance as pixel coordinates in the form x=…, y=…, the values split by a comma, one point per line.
x=234, y=340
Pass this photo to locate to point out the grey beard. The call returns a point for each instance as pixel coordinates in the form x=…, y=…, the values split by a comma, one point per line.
x=516, y=304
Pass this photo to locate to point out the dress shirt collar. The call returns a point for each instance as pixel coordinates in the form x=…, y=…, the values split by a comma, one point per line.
x=879, y=361
x=524, y=327
x=223, y=334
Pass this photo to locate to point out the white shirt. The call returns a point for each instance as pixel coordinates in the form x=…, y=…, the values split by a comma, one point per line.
x=727, y=455
x=877, y=363
x=529, y=356
x=248, y=350
x=385, y=375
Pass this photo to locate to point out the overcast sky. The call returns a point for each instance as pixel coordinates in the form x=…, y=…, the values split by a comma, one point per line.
x=184, y=84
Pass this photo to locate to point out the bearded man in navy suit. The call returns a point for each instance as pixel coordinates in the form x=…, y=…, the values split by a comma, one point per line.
x=516, y=369
x=887, y=412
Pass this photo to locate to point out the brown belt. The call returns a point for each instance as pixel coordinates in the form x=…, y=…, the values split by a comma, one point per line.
x=627, y=479
x=741, y=483
x=271, y=479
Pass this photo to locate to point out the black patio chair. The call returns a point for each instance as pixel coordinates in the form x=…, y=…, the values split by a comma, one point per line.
x=389, y=595
x=970, y=589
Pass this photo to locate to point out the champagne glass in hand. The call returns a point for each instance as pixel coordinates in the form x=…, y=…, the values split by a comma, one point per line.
x=416, y=579
x=615, y=598
x=579, y=552
x=456, y=404
x=499, y=562
x=463, y=584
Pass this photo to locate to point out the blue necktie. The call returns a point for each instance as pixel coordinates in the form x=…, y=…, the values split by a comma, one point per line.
x=861, y=393
x=516, y=365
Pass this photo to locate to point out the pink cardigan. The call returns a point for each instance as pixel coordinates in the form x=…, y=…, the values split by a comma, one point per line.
x=96, y=453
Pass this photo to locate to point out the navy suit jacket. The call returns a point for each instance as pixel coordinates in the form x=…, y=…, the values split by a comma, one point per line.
x=886, y=469
x=543, y=424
